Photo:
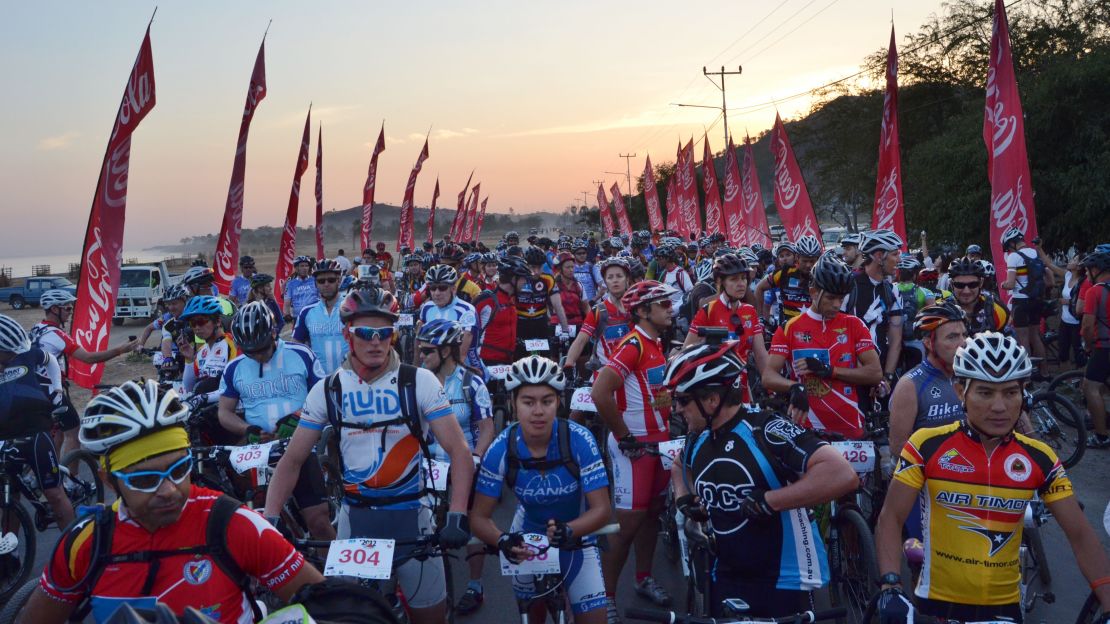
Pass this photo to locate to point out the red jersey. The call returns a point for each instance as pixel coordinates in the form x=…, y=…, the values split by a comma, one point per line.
x=570, y=295
x=497, y=318
x=1096, y=302
x=833, y=404
x=742, y=322
x=616, y=328
x=644, y=401
x=187, y=580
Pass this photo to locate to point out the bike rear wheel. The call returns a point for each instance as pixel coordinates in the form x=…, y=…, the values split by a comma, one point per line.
x=83, y=485
x=17, y=602
x=16, y=564
x=1091, y=613
x=857, y=564
x=1059, y=424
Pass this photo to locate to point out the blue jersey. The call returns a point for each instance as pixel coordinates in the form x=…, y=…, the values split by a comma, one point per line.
x=271, y=391
x=323, y=331
x=544, y=495
x=240, y=289
x=937, y=403
x=585, y=275
x=300, y=293
x=462, y=313
x=470, y=402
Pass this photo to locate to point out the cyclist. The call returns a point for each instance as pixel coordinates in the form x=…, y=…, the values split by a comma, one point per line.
x=443, y=303
x=974, y=253
x=554, y=469
x=703, y=291
x=300, y=289
x=912, y=298
x=173, y=299
x=632, y=401
x=791, y=281
x=752, y=475
x=382, y=411
x=976, y=478
x=262, y=289
x=829, y=354
x=672, y=272
x=488, y=277
x=587, y=273
x=1095, y=329
x=383, y=258
x=1028, y=281
x=983, y=312
x=496, y=312
x=203, y=314
x=201, y=280
x=569, y=292
x=318, y=324
x=271, y=380
x=533, y=301
x=241, y=285
x=873, y=300
x=850, y=244
x=607, y=322
x=465, y=288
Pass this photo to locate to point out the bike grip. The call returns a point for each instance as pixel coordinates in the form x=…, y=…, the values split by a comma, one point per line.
x=649, y=615
x=828, y=614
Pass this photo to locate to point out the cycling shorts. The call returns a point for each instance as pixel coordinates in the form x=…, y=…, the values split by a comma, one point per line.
x=637, y=482
x=309, y=490
x=1026, y=312
x=423, y=582
x=581, y=570
x=36, y=451
x=1098, y=366
x=969, y=613
x=69, y=419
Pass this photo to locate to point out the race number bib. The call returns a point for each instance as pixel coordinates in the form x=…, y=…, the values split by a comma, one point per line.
x=546, y=562
x=583, y=401
x=570, y=333
x=536, y=344
x=860, y=454
x=244, y=458
x=435, y=477
x=498, y=371
x=404, y=320
x=363, y=558
x=669, y=452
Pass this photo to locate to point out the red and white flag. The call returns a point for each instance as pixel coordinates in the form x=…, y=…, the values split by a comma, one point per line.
x=405, y=236
x=432, y=213
x=288, y=249
x=674, y=210
x=733, y=200
x=368, y=191
x=890, y=211
x=103, y=251
x=460, y=211
x=320, y=195
x=651, y=198
x=618, y=207
x=606, y=216
x=1004, y=134
x=467, y=233
x=714, y=219
x=227, y=245
x=688, y=191
x=481, y=218
x=791, y=196
x=755, y=215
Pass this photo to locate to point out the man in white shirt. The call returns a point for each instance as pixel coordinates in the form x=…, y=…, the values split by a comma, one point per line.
x=343, y=262
x=1028, y=281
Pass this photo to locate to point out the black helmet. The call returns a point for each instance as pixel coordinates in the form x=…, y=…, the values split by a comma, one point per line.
x=260, y=279
x=962, y=267
x=831, y=275
x=453, y=253
x=1098, y=260
x=665, y=252
x=252, y=327
x=370, y=301
x=303, y=260
x=246, y=261
x=511, y=267
x=729, y=264
x=326, y=266
x=535, y=256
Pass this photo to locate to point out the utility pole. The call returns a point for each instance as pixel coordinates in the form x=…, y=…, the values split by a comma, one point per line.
x=628, y=175
x=724, y=104
x=585, y=200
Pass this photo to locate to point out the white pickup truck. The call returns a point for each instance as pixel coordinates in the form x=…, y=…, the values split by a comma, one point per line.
x=141, y=287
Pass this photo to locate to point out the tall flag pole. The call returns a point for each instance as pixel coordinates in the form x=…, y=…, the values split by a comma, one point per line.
x=466, y=235
x=320, y=195
x=405, y=236
x=651, y=198
x=368, y=191
x=713, y=216
x=755, y=215
x=791, y=196
x=890, y=211
x=102, y=254
x=432, y=213
x=288, y=249
x=603, y=208
x=618, y=207
x=481, y=218
x=1004, y=134
x=457, y=223
x=733, y=201
x=674, y=212
x=688, y=191
x=227, y=246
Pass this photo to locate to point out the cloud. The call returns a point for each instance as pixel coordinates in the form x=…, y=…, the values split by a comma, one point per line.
x=59, y=142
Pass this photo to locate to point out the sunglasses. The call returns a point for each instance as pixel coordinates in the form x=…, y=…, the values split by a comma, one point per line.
x=663, y=303
x=326, y=280
x=373, y=333
x=682, y=400
x=964, y=285
x=199, y=322
x=428, y=350
x=258, y=351
x=439, y=287
x=150, y=480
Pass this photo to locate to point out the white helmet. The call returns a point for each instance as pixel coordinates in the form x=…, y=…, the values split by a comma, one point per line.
x=13, y=338
x=809, y=246
x=535, y=370
x=992, y=357
x=1011, y=235
x=55, y=297
x=128, y=411
x=880, y=240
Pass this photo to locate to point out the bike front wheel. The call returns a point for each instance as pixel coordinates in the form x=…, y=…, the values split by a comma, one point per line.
x=857, y=570
x=82, y=484
x=1058, y=423
x=17, y=545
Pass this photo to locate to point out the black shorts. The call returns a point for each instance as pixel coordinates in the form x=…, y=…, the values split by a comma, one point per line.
x=1098, y=366
x=69, y=419
x=970, y=613
x=763, y=598
x=1026, y=312
x=309, y=490
x=37, y=452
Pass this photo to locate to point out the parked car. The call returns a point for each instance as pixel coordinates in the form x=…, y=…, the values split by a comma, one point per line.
x=30, y=292
x=141, y=287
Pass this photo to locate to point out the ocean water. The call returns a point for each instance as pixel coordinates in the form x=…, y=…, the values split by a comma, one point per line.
x=59, y=264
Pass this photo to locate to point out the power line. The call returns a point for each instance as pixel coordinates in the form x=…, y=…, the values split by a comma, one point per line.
x=792, y=30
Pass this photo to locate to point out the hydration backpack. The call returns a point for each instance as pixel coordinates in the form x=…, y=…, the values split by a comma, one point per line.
x=1035, y=270
x=513, y=462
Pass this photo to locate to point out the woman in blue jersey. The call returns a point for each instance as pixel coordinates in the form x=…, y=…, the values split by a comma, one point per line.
x=555, y=470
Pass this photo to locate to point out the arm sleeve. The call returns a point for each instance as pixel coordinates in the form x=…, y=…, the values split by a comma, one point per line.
x=69, y=562
x=482, y=399
x=300, y=328
x=910, y=467
x=625, y=358
x=701, y=319
x=779, y=345
x=792, y=444
x=261, y=551
x=861, y=337
x=227, y=381
x=430, y=397
x=491, y=473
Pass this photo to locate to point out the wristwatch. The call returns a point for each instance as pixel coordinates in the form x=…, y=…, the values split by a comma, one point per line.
x=890, y=578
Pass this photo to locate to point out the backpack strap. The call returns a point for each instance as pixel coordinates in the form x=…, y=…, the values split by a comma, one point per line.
x=219, y=519
x=566, y=459
x=565, y=453
x=469, y=397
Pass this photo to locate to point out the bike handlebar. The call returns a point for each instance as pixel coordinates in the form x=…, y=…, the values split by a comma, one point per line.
x=670, y=617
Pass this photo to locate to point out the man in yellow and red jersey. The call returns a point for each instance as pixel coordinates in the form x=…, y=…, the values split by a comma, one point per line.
x=791, y=281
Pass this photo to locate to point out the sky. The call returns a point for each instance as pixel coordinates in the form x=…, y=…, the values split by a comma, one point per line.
x=540, y=98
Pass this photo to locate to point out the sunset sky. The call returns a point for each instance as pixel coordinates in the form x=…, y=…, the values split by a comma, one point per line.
x=538, y=97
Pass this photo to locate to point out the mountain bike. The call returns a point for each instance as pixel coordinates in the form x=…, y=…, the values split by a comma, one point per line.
x=735, y=608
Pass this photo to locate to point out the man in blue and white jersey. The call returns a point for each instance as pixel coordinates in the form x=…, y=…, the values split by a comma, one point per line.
x=240, y=289
x=587, y=273
x=443, y=303
x=300, y=289
x=318, y=325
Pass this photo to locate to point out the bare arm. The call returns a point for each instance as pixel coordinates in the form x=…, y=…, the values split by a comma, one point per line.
x=481, y=519
x=828, y=476
x=485, y=436
x=605, y=400
x=1089, y=553
x=288, y=469
x=692, y=338
x=759, y=351
x=307, y=575
x=894, y=351
x=903, y=413
x=105, y=355
x=868, y=373
x=773, y=379
x=1011, y=280
x=577, y=347
x=760, y=289
x=42, y=609
x=450, y=437
x=147, y=331
x=557, y=307
x=598, y=511
x=888, y=532
x=229, y=420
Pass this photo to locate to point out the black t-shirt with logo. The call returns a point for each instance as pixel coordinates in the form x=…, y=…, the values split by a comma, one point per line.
x=876, y=305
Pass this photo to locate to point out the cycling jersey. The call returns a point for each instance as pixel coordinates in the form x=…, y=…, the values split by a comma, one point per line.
x=764, y=451
x=643, y=400
x=793, y=290
x=1096, y=302
x=383, y=462
x=269, y=392
x=470, y=403
x=1018, y=262
x=239, y=290
x=531, y=300
x=876, y=305
x=570, y=295
x=50, y=337
x=975, y=509
x=742, y=322
x=588, y=276
x=26, y=401
x=212, y=358
x=497, y=318
x=616, y=327
x=987, y=315
x=462, y=313
x=833, y=404
x=323, y=331
x=676, y=277
x=466, y=289
x=186, y=580
x=937, y=403
x=301, y=293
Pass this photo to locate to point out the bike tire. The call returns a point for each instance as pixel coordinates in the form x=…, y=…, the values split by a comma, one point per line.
x=1036, y=546
x=27, y=535
x=1069, y=440
x=88, y=475
x=1069, y=385
x=1090, y=613
x=18, y=600
x=856, y=544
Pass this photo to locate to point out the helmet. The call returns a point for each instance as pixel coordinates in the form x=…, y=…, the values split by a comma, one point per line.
x=691, y=247
x=535, y=370
x=488, y=258
x=928, y=276
x=198, y=275
x=564, y=257
x=13, y=338
x=974, y=249
x=850, y=240
x=673, y=241
x=580, y=245
x=453, y=253
x=1011, y=235
x=564, y=245
x=665, y=252
x=965, y=266
x=624, y=253
x=405, y=250
x=647, y=291
x=55, y=297
x=441, y=332
x=512, y=266
x=326, y=266
x=703, y=272
x=380, y=246
x=252, y=327
x=908, y=263
x=128, y=411
x=512, y=236
x=765, y=256
x=471, y=258
x=988, y=269
x=1098, y=260
x=992, y=357
x=261, y=279
x=784, y=246
x=535, y=256
x=748, y=256
x=179, y=291
x=729, y=264
x=204, y=305
x=703, y=365
x=303, y=260
x=441, y=274
x=246, y=261
x=635, y=268
x=717, y=238
x=880, y=240
x=704, y=241
x=615, y=261
x=368, y=301
x=809, y=246
x=409, y=259
x=931, y=317
x=831, y=275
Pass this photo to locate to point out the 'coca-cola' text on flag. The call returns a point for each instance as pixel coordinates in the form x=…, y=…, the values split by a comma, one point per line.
x=791, y=196
x=288, y=248
x=481, y=218
x=405, y=236
x=618, y=207
x=227, y=245
x=368, y=191
x=651, y=198
x=467, y=234
x=320, y=194
x=889, y=213
x=714, y=223
x=1004, y=133
x=460, y=216
x=733, y=208
x=674, y=212
x=603, y=208
x=688, y=190
x=102, y=254
x=755, y=215
x=432, y=213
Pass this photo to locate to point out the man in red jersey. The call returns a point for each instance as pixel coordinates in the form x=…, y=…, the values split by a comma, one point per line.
x=829, y=353
x=607, y=322
x=497, y=314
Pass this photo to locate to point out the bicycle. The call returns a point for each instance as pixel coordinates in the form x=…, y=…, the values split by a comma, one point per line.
x=918, y=616
x=1059, y=424
x=1032, y=558
x=735, y=608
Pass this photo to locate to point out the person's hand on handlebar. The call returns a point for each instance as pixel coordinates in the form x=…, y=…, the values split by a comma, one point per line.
x=559, y=534
x=512, y=546
x=691, y=507
x=894, y=607
x=798, y=404
x=630, y=446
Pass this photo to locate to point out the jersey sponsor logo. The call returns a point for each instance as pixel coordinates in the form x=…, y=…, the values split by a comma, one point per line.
x=972, y=512
x=286, y=385
x=726, y=496
x=197, y=572
x=805, y=337
x=546, y=488
x=1017, y=468
x=935, y=393
x=942, y=411
x=954, y=462
x=780, y=431
x=372, y=402
x=12, y=374
x=842, y=339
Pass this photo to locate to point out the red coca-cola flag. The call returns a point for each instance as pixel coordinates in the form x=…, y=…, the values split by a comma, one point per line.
x=890, y=211
x=714, y=219
x=791, y=196
x=674, y=211
x=460, y=210
x=618, y=207
x=481, y=218
x=288, y=248
x=755, y=215
x=102, y=254
x=320, y=194
x=606, y=217
x=1007, y=159
x=432, y=213
x=405, y=236
x=733, y=200
x=467, y=234
x=368, y=191
x=227, y=245
x=651, y=198
x=688, y=191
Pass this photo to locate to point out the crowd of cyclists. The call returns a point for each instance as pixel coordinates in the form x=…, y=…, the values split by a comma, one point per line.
x=559, y=370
